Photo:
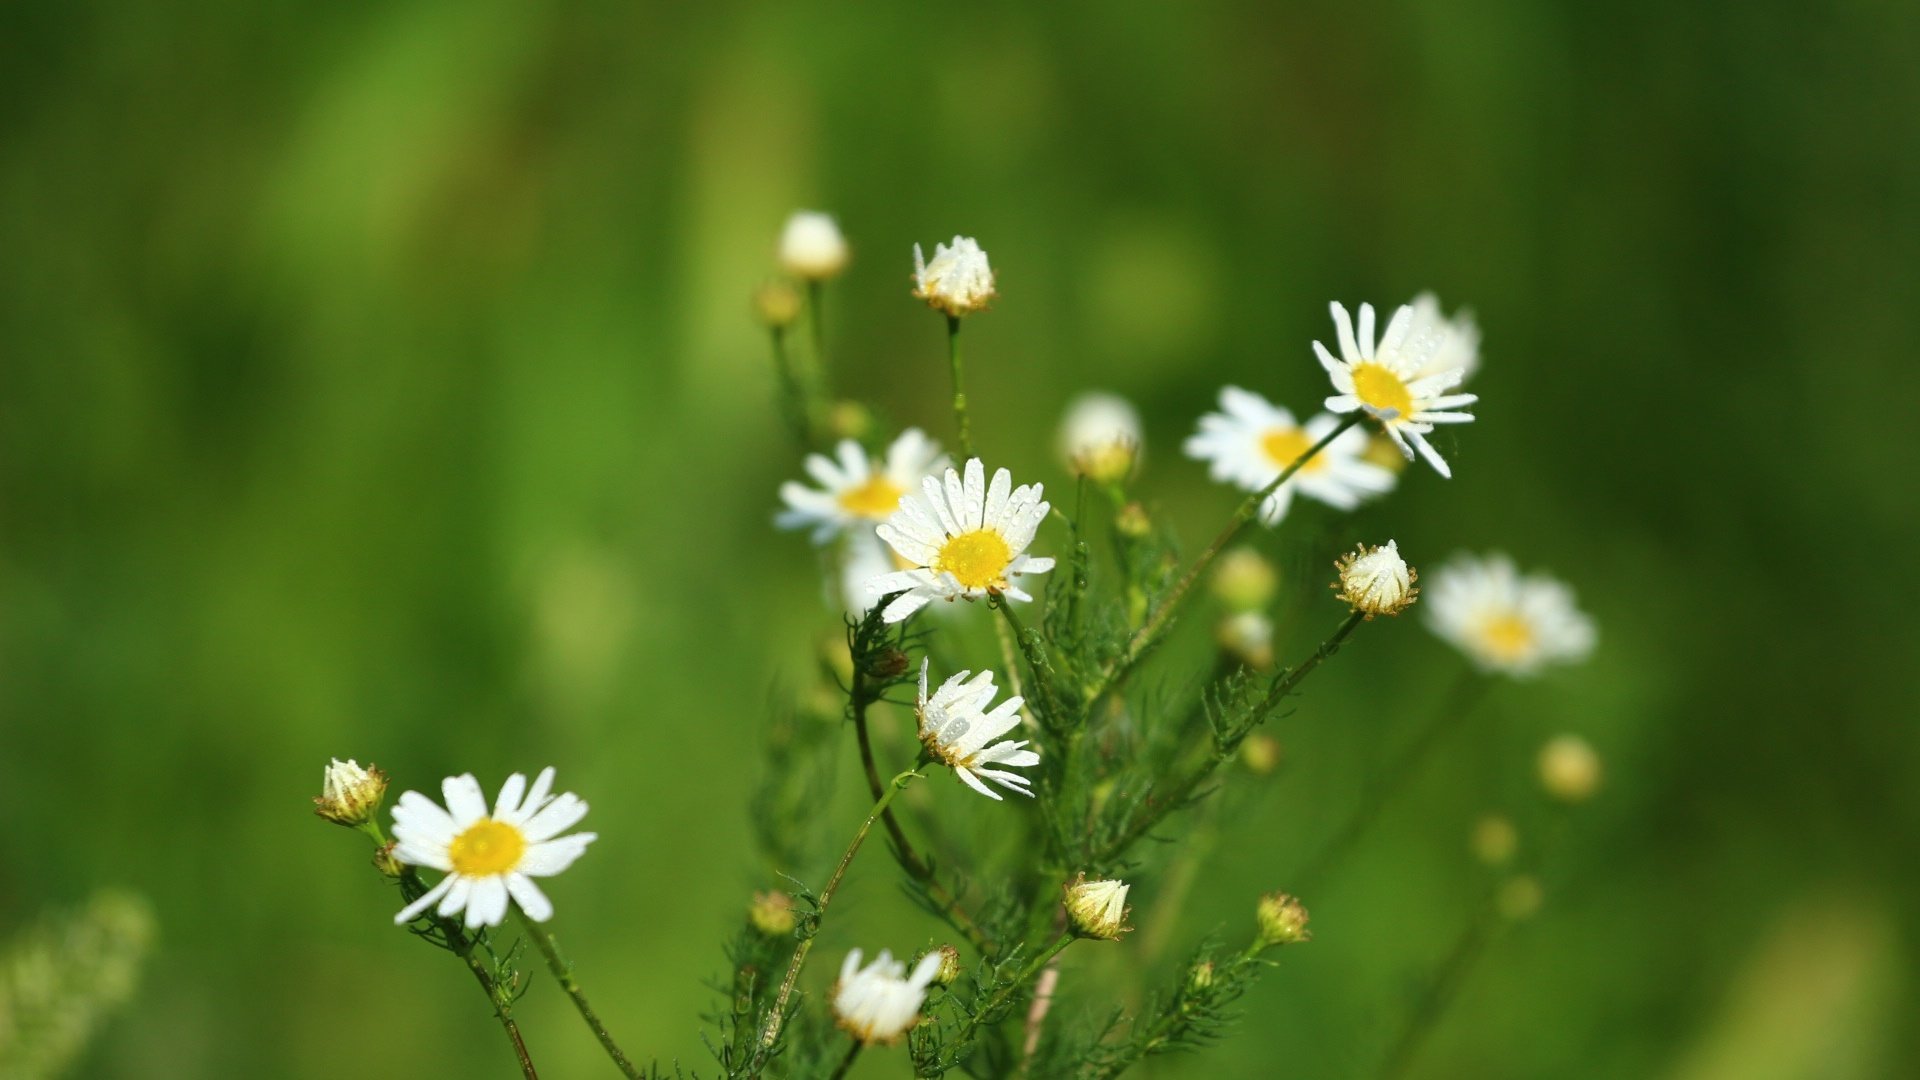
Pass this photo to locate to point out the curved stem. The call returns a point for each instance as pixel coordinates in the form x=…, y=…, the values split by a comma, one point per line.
x=1156, y=624
x=543, y=940
x=846, y=1063
x=1438, y=995
x=777, y=1018
x=412, y=888
x=959, y=391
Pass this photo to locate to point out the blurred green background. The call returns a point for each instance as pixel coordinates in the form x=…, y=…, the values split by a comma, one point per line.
x=379, y=382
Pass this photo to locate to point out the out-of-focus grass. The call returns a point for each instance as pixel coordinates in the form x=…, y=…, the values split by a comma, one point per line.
x=379, y=383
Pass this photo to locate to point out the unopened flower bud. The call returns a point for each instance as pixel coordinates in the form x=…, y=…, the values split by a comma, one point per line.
x=957, y=281
x=1381, y=451
x=1100, y=437
x=776, y=304
x=850, y=420
x=1244, y=580
x=1520, y=897
x=1098, y=909
x=350, y=795
x=811, y=247
x=1494, y=840
x=949, y=972
x=1261, y=753
x=1201, y=975
x=1282, y=920
x=1132, y=520
x=385, y=862
x=1569, y=769
x=771, y=913
x=886, y=663
x=1376, y=581
x=1248, y=638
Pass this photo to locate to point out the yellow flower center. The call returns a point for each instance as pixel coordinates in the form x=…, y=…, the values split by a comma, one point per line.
x=1380, y=389
x=977, y=559
x=1507, y=636
x=878, y=498
x=487, y=847
x=1283, y=446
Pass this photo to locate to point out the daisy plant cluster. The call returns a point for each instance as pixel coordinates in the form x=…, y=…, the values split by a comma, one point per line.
x=1039, y=796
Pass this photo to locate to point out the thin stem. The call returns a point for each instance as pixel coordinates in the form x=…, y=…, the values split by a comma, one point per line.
x=543, y=940
x=1178, y=795
x=846, y=1062
x=1399, y=772
x=1026, y=975
x=959, y=391
x=1439, y=994
x=817, y=320
x=1156, y=624
x=777, y=1019
x=412, y=888
x=794, y=400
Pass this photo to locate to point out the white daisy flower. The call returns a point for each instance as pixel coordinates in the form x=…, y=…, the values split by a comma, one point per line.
x=1100, y=437
x=856, y=490
x=1390, y=380
x=1503, y=621
x=963, y=538
x=863, y=557
x=1459, y=345
x=1251, y=441
x=878, y=1003
x=1376, y=581
x=955, y=728
x=488, y=858
x=958, y=280
x=811, y=246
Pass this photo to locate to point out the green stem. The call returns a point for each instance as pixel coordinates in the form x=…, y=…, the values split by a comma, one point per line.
x=794, y=399
x=1027, y=975
x=543, y=940
x=846, y=1063
x=1156, y=625
x=412, y=888
x=959, y=391
x=1439, y=994
x=777, y=1019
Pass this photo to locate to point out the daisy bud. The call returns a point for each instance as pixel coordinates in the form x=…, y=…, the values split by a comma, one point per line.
x=1201, y=976
x=777, y=304
x=1100, y=437
x=1282, y=920
x=1132, y=520
x=1569, y=769
x=1520, y=898
x=949, y=972
x=1247, y=638
x=887, y=663
x=1098, y=909
x=384, y=861
x=811, y=247
x=350, y=795
x=771, y=913
x=1494, y=840
x=1260, y=753
x=958, y=281
x=850, y=420
x=1376, y=581
x=1244, y=580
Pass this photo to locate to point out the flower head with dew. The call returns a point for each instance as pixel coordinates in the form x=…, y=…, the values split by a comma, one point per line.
x=811, y=247
x=1100, y=437
x=350, y=795
x=1098, y=909
x=880, y=1002
x=1389, y=380
x=488, y=857
x=957, y=730
x=1505, y=622
x=1251, y=441
x=856, y=490
x=1459, y=338
x=962, y=538
x=957, y=281
x=1376, y=581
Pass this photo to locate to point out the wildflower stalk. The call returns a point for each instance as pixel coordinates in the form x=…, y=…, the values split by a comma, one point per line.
x=1149, y=633
x=1027, y=975
x=543, y=940
x=1176, y=1026
x=1439, y=993
x=462, y=946
x=959, y=391
x=853, y=1051
x=1225, y=744
x=795, y=402
x=777, y=1018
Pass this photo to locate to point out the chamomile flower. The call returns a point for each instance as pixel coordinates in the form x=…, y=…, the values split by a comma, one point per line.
x=1100, y=437
x=880, y=1002
x=488, y=857
x=1376, y=581
x=958, y=281
x=1251, y=441
x=1390, y=380
x=1505, y=622
x=963, y=538
x=1459, y=345
x=855, y=490
x=956, y=729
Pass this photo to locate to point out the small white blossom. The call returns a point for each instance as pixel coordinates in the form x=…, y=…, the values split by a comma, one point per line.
x=963, y=538
x=856, y=491
x=1098, y=909
x=1376, y=581
x=956, y=729
x=958, y=281
x=1458, y=348
x=488, y=857
x=1251, y=441
x=1391, y=382
x=811, y=246
x=1100, y=437
x=880, y=1002
x=1505, y=622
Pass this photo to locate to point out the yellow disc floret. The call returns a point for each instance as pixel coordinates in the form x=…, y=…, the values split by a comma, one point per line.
x=1284, y=445
x=1508, y=637
x=1380, y=390
x=977, y=559
x=487, y=847
x=877, y=499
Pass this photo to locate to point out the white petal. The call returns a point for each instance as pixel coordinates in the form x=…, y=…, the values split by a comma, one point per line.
x=550, y=857
x=974, y=783
x=529, y=897
x=465, y=801
x=488, y=904
x=412, y=911
x=510, y=792
x=562, y=814
x=456, y=897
